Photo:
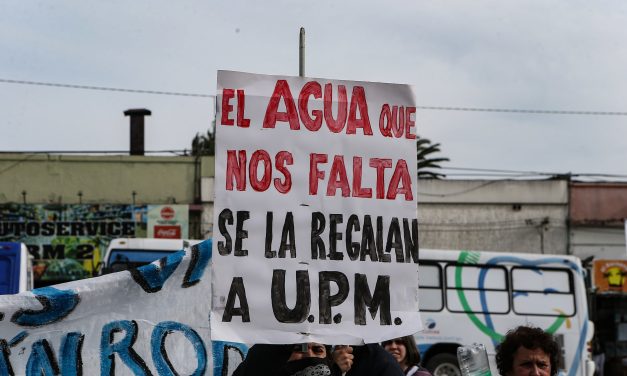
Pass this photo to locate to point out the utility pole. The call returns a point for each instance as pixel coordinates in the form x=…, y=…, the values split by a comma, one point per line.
x=301, y=53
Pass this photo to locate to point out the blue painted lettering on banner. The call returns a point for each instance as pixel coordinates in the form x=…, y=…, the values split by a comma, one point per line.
x=201, y=254
x=151, y=277
x=221, y=351
x=41, y=360
x=57, y=304
x=19, y=337
x=123, y=348
x=71, y=360
x=160, y=357
x=5, y=364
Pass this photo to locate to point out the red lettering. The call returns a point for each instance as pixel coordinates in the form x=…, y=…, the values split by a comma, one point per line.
x=358, y=100
x=262, y=184
x=338, y=178
x=409, y=123
x=281, y=90
x=358, y=191
x=380, y=164
x=401, y=174
x=335, y=126
x=385, y=114
x=283, y=158
x=310, y=88
x=227, y=95
x=314, y=173
x=236, y=169
x=398, y=121
x=241, y=104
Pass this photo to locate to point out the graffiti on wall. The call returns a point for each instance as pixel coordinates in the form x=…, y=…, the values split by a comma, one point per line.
x=67, y=241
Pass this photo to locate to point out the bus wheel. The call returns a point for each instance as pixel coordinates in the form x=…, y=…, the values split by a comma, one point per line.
x=443, y=364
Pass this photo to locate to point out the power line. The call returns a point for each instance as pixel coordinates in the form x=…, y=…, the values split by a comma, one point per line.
x=523, y=111
x=433, y=108
x=102, y=88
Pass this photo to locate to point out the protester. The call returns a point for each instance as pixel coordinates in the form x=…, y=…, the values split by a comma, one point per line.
x=405, y=351
x=365, y=360
x=308, y=359
x=527, y=351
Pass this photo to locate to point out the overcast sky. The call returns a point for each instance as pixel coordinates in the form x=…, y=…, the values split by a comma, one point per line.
x=553, y=55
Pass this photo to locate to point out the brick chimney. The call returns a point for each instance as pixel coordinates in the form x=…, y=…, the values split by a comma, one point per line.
x=137, y=129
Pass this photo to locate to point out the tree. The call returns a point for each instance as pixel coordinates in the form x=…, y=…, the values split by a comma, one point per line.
x=426, y=164
x=204, y=144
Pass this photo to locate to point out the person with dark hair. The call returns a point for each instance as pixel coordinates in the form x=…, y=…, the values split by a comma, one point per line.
x=405, y=351
x=527, y=351
x=301, y=359
x=308, y=359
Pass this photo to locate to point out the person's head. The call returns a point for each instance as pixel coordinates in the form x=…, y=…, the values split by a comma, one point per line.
x=527, y=351
x=404, y=350
x=308, y=350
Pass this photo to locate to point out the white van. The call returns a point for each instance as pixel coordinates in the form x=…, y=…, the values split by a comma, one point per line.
x=126, y=253
x=470, y=297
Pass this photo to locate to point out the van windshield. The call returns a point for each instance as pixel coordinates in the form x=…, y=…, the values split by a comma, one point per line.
x=123, y=259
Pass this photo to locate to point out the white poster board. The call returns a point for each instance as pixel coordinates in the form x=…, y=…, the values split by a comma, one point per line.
x=315, y=230
x=151, y=321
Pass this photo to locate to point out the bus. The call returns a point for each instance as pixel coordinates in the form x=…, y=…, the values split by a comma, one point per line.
x=16, y=268
x=470, y=297
x=127, y=253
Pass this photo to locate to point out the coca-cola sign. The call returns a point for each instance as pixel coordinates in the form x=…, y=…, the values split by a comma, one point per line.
x=167, y=213
x=168, y=232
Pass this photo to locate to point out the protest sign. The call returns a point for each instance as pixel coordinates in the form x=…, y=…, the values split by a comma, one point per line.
x=149, y=321
x=315, y=237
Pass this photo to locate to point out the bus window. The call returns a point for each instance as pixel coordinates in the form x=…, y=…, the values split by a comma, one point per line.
x=430, y=297
x=546, y=292
x=478, y=289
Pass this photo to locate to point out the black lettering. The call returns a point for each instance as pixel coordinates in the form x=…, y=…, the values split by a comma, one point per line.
x=325, y=299
x=352, y=248
x=92, y=228
x=225, y=247
x=54, y=252
x=269, y=253
x=84, y=251
x=380, y=299
x=317, y=244
x=288, y=232
x=303, y=297
x=411, y=240
x=237, y=290
x=32, y=228
x=394, y=240
x=113, y=229
x=62, y=229
x=128, y=228
x=368, y=246
x=47, y=229
x=383, y=257
x=334, y=236
x=33, y=249
x=18, y=228
x=78, y=229
x=240, y=233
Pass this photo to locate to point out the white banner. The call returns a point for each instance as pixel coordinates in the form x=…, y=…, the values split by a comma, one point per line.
x=150, y=321
x=315, y=235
